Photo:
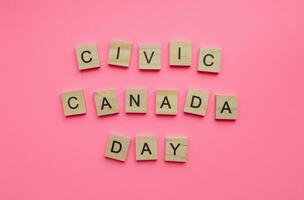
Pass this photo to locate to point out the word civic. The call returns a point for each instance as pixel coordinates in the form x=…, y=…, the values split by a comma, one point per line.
x=149, y=57
x=146, y=148
x=106, y=103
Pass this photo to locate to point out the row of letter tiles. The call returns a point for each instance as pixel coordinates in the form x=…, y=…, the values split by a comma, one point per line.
x=106, y=103
x=146, y=148
x=149, y=57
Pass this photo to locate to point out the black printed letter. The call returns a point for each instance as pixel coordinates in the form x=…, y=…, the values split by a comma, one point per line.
x=204, y=60
x=82, y=57
x=113, y=144
x=118, y=51
x=145, y=148
x=148, y=59
x=226, y=107
x=105, y=103
x=69, y=103
x=199, y=102
x=133, y=99
x=165, y=102
x=174, y=148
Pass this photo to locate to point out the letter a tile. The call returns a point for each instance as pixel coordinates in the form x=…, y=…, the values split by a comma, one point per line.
x=106, y=102
x=226, y=107
x=146, y=148
x=166, y=102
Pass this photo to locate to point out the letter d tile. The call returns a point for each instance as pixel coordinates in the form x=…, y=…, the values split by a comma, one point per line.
x=196, y=102
x=117, y=147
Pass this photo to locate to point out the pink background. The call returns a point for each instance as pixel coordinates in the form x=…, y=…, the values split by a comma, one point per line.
x=44, y=155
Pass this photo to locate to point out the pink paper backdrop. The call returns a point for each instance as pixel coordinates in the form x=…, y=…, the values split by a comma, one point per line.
x=46, y=156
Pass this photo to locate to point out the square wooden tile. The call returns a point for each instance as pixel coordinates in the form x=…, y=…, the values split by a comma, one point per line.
x=106, y=102
x=180, y=53
x=146, y=147
x=176, y=149
x=136, y=101
x=196, y=102
x=149, y=57
x=73, y=102
x=120, y=53
x=226, y=107
x=166, y=102
x=87, y=56
x=209, y=60
x=117, y=147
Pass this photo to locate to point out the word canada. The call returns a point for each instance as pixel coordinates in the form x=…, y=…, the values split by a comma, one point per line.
x=106, y=103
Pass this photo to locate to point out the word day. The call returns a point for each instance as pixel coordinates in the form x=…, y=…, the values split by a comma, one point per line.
x=106, y=103
x=149, y=56
x=146, y=148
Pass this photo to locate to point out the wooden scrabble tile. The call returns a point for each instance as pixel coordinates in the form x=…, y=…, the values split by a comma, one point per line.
x=117, y=147
x=196, y=102
x=120, y=53
x=146, y=148
x=106, y=102
x=87, y=56
x=180, y=53
x=176, y=149
x=166, y=102
x=136, y=101
x=149, y=57
x=226, y=107
x=73, y=103
x=209, y=60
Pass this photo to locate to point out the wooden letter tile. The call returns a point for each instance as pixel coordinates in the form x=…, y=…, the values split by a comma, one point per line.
x=87, y=56
x=176, y=149
x=106, y=102
x=146, y=148
x=196, y=102
x=73, y=103
x=209, y=60
x=117, y=147
x=180, y=53
x=226, y=107
x=166, y=102
x=136, y=101
x=149, y=57
x=120, y=53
